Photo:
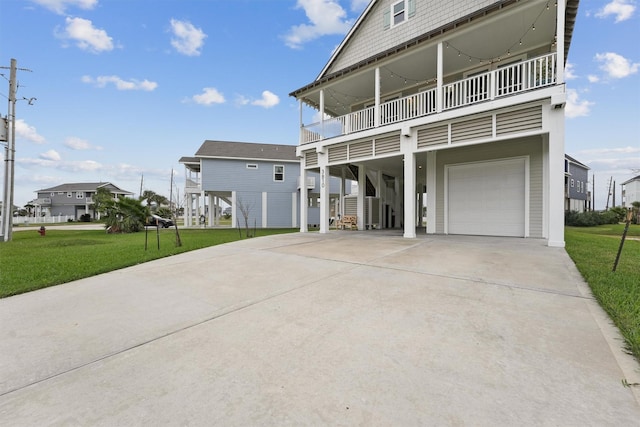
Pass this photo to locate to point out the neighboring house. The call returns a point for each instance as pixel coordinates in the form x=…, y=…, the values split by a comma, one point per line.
x=630, y=191
x=73, y=199
x=577, y=196
x=458, y=102
x=261, y=180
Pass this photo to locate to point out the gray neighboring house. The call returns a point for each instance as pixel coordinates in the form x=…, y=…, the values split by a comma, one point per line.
x=261, y=179
x=577, y=196
x=73, y=199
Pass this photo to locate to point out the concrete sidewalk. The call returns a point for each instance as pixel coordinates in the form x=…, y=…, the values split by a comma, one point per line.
x=349, y=328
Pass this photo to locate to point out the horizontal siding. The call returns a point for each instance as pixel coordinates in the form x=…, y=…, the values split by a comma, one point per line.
x=388, y=144
x=531, y=146
x=310, y=158
x=338, y=154
x=468, y=130
x=233, y=175
x=251, y=202
x=433, y=136
x=279, y=210
x=360, y=149
x=522, y=120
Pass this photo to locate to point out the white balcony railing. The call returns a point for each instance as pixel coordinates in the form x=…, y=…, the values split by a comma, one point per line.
x=192, y=183
x=509, y=80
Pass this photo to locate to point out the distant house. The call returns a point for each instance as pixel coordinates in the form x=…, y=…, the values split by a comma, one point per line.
x=73, y=199
x=630, y=191
x=261, y=180
x=577, y=196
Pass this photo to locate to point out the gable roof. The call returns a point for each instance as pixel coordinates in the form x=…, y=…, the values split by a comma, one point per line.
x=246, y=150
x=86, y=186
x=571, y=12
x=636, y=178
x=574, y=161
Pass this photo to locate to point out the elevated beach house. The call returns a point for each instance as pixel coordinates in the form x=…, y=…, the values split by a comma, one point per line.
x=452, y=111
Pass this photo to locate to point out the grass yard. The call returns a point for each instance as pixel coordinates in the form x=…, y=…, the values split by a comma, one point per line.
x=594, y=249
x=31, y=262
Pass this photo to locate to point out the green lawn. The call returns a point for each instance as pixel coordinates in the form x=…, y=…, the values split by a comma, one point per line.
x=31, y=262
x=594, y=249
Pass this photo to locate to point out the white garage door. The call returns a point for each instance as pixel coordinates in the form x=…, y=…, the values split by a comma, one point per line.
x=487, y=198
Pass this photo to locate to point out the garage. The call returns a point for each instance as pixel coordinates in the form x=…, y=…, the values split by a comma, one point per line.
x=487, y=198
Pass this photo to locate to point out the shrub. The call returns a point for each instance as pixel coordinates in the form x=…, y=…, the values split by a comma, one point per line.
x=592, y=218
x=85, y=217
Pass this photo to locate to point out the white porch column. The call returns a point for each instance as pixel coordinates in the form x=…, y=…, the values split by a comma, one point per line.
x=212, y=209
x=431, y=192
x=264, y=209
x=409, y=194
x=340, y=211
x=187, y=209
x=234, y=207
x=324, y=194
x=304, y=199
x=300, y=139
x=216, y=212
x=376, y=108
x=362, y=191
x=321, y=113
x=555, y=187
x=440, y=68
x=560, y=41
x=294, y=209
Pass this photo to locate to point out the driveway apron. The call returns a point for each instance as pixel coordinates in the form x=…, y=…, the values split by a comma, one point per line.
x=345, y=328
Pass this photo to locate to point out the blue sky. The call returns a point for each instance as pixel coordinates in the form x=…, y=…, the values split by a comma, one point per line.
x=125, y=88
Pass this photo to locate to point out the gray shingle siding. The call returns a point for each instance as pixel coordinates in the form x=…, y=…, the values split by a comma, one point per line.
x=371, y=38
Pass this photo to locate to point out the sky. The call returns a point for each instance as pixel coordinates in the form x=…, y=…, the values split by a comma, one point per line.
x=119, y=90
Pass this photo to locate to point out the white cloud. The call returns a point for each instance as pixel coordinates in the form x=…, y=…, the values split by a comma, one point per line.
x=569, y=72
x=86, y=36
x=607, y=151
x=325, y=17
x=120, y=84
x=188, y=39
x=616, y=66
x=593, y=79
x=59, y=6
x=52, y=155
x=622, y=9
x=67, y=166
x=209, y=96
x=269, y=99
x=75, y=143
x=23, y=130
x=575, y=106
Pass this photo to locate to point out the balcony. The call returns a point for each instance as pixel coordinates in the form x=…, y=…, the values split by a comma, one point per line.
x=510, y=80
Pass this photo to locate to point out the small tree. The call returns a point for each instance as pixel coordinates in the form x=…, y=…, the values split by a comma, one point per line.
x=245, y=211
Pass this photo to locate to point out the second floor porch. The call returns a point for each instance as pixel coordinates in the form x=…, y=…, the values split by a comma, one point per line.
x=522, y=76
x=496, y=53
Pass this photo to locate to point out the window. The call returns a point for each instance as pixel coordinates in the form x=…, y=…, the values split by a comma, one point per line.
x=398, y=13
x=79, y=195
x=572, y=183
x=278, y=173
x=52, y=194
x=69, y=194
x=252, y=166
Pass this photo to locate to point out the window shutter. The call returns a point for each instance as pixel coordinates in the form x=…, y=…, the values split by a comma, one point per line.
x=411, y=7
x=386, y=19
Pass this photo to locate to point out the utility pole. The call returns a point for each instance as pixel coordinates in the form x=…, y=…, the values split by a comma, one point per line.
x=9, y=157
x=10, y=154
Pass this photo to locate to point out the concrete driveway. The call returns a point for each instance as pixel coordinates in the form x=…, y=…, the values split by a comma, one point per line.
x=349, y=328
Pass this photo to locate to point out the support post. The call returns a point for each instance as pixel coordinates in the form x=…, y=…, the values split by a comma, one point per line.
x=304, y=200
